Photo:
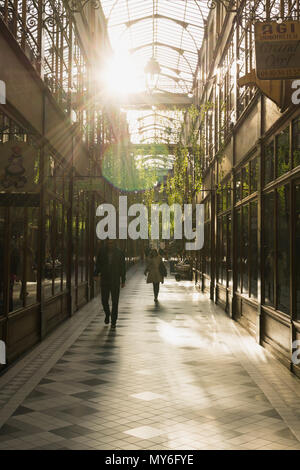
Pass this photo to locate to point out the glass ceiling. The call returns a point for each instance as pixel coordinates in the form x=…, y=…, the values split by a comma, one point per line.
x=171, y=31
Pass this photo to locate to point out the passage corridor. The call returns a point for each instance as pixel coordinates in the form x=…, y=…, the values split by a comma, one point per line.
x=179, y=375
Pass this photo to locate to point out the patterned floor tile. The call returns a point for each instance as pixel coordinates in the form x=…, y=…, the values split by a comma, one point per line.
x=177, y=375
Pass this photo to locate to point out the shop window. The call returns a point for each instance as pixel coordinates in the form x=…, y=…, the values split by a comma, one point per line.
x=238, y=187
x=269, y=163
x=245, y=249
x=207, y=247
x=283, y=152
x=17, y=267
x=283, y=249
x=207, y=210
x=253, y=175
x=2, y=251
x=297, y=248
x=224, y=250
x=296, y=142
x=31, y=253
x=246, y=181
x=219, y=249
x=238, y=248
x=269, y=247
x=229, y=263
x=224, y=197
x=253, y=249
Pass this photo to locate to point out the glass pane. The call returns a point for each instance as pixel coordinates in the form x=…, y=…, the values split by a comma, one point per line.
x=238, y=187
x=245, y=249
x=17, y=275
x=65, y=253
x=58, y=252
x=268, y=257
x=2, y=250
x=283, y=152
x=207, y=210
x=207, y=248
x=229, y=262
x=296, y=142
x=224, y=198
x=245, y=177
x=297, y=248
x=253, y=175
x=283, y=250
x=219, y=199
x=32, y=255
x=238, y=249
x=48, y=281
x=228, y=195
x=219, y=250
x=269, y=163
x=253, y=249
x=224, y=249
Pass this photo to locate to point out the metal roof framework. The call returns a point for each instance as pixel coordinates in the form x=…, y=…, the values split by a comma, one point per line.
x=172, y=31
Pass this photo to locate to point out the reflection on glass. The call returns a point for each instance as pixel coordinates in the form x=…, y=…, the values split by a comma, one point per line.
x=238, y=187
x=229, y=261
x=32, y=255
x=283, y=152
x=296, y=142
x=2, y=223
x=48, y=281
x=253, y=249
x=283, y=250
x=58, y=254
x=269, y=261
x=224, y=249
x=253, y=175
x=245, y=179
x=65, y=253
x=219, y=250
x=17, y=267
x=207, y=247
x=297, y=248
x=245, y=249
x=269, y=163
x=238, y=249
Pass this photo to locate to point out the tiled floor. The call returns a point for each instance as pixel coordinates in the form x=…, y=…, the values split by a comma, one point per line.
x=179, y=375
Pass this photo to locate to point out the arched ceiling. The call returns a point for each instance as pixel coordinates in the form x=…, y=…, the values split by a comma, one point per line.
x=172, y=31
x=172, y=28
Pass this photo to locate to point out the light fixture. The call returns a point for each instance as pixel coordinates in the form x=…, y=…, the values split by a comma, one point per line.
x=152, y=69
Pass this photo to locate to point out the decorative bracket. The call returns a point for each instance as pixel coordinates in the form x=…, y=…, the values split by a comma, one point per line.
x=278, y=91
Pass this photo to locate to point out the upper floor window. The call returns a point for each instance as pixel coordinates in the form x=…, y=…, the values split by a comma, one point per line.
x=246, y=180
x=277, y=156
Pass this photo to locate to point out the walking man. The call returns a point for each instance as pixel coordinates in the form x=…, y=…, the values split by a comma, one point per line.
x=110, y=265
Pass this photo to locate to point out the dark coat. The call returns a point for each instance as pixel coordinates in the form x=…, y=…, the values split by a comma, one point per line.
x=114, y=273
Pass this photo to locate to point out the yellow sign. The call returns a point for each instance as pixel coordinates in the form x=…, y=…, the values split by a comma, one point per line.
x=277, y=48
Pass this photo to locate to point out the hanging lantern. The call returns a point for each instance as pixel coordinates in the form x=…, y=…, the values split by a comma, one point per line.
x=152, y=71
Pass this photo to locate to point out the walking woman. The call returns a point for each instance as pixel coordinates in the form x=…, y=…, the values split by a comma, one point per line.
x=155, y=271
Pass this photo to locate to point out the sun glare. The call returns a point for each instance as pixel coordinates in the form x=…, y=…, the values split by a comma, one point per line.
x=123, y=74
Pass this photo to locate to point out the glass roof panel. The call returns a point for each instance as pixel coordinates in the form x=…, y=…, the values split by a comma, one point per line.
x=171, y=31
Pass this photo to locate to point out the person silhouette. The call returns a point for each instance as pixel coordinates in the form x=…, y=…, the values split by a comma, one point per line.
x=110, y=265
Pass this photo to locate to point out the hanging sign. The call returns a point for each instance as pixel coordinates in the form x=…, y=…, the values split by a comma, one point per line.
x=277, y=49
x=19, y=170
